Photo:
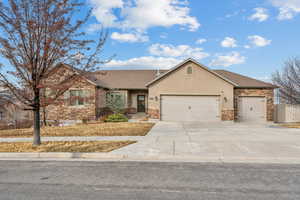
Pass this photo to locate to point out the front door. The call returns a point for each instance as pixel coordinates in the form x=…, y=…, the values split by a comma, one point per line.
x=141, y=106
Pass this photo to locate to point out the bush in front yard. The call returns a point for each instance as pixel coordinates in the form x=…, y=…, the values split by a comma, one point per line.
x=116, y=118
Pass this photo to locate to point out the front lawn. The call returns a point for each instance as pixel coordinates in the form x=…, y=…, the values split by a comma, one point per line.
x=72, y=146
x=101, y=129
x=291, y=125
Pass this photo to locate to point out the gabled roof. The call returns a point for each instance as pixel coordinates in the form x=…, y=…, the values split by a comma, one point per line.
x=141, y=79
x=76, y=71
x=115, y=79
x=244, y=81
x=197, y=63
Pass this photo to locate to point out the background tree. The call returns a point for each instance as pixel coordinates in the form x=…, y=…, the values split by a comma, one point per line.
x=35, y=36
x=289, y=82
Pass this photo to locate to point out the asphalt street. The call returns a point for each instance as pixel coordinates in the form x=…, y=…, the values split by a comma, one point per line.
x=22, y=180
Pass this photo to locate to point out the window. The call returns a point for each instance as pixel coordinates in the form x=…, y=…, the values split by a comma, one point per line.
x=189, y=70
x=1, y=115
x=76, y=97
x=115, y=100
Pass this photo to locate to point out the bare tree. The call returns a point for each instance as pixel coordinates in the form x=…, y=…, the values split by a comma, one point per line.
x=289, y=81
x=35, y=37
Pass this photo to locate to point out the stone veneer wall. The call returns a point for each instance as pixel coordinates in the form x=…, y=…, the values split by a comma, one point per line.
x=267, y=93
x=153, y=113
x=227, y=115
x=131, y=110
x=61, y=109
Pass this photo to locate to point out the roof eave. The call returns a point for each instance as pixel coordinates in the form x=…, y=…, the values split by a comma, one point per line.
x=128, y=88
x=83, y=76
x=256, y=87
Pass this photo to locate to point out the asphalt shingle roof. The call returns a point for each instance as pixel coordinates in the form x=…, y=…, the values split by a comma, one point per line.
x=244, y=81
x=138, y=79
x=123, y=79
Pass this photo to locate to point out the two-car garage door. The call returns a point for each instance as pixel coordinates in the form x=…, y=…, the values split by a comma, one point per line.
x=190, y=108
x=207, y=108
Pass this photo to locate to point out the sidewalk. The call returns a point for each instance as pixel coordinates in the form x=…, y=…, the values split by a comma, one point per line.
x=75, y=138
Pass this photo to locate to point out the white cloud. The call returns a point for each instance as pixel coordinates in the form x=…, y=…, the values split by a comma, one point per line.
x=143, y=14
x=129, y=37
x=145, y=62
x=232, y=14
x=258, y=41
x=264, y=78
x=163, y=35
x=201, y=41
x=229, y=59
x=103, y=11
x=261, y=14
x=229, y=42
x=182, y=51
x=288, y=9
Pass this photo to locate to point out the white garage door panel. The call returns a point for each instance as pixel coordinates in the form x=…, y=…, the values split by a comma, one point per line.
x=252, y=109
x=190, y=108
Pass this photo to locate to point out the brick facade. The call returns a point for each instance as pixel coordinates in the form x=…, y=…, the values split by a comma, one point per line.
x=95, y=107
x=131, y=110
x=153, y=113
x=101, y=109
x=61, y=108
x=227, y=115
x=267, y=93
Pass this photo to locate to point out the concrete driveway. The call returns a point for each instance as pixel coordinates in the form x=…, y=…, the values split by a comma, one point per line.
x=226, y=140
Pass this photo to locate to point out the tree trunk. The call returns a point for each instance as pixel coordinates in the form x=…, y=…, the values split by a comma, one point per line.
x=36, y=122
x=44, y=116
x=44, y=109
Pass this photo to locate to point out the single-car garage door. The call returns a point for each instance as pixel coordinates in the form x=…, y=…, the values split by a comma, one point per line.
x=190, y=108
x=252, y=109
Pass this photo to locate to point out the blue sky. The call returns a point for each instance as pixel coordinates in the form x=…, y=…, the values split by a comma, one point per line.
x=251, y=37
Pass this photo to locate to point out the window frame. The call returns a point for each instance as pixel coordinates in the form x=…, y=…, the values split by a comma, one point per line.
x=189, y=70
x=78, y=98
x=117, y=94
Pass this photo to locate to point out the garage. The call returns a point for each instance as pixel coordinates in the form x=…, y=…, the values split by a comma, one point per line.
x=190, y=108
x=252, y=109
x=192, y=92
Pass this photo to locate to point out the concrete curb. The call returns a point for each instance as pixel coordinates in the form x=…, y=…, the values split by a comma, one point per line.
x=102, y=157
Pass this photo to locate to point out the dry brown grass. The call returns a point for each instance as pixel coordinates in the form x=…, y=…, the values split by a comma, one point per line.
x=73, y=146
x=102, y=129
x=291, y=125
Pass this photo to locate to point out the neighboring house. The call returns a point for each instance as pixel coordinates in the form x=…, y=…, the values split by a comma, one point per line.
x=12, y=114
x=188, y=92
